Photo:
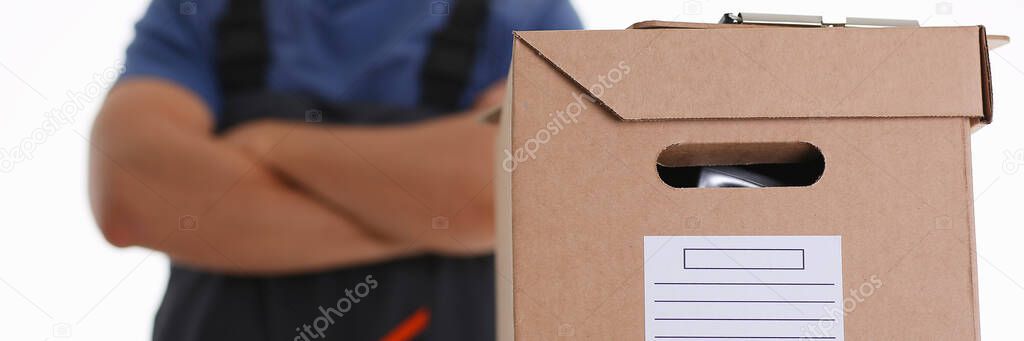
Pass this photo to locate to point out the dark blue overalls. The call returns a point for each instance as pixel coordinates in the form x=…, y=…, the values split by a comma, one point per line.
x=453, y=298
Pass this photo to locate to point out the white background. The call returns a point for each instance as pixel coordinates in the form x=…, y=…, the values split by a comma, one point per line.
x=58, y=276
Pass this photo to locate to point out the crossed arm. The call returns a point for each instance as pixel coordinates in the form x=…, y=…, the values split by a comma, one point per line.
x=278, y=197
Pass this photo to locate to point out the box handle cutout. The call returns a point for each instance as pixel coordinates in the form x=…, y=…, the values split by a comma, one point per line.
x=743, y=165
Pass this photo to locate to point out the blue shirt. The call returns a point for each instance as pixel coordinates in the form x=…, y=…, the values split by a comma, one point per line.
x=366, y=51
x=339, y=51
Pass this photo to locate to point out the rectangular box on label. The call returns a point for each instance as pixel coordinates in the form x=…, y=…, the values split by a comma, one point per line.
x=743, y=259
x=684, y=181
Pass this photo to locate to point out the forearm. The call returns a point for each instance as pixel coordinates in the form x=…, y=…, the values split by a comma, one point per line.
x=152, y=170
x=398, y=180
x=254, y=229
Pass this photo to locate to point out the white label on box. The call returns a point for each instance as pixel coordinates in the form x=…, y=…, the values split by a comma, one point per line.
x=704, y=288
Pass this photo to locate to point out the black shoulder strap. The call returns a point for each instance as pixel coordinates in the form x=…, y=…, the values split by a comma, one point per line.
x=449, y=63
x=243, y=56
x=243, y=52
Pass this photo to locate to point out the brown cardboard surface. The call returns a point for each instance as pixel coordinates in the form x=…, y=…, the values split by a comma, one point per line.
x=655, y=24
x=720, y=154
x=996, y=41
x=503, y=218
x=890, y=109
x=776, y=72
x=986, y=77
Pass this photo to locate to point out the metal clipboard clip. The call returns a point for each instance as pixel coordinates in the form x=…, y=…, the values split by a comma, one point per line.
x=796, y=20
x=811, y=20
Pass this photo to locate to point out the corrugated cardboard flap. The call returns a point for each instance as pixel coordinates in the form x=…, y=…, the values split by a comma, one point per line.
x=775, y=72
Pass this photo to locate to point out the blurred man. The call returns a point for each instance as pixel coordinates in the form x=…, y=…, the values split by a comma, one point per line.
x=313, y=169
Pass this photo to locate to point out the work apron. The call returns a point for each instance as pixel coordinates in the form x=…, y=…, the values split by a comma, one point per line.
x=421, y=298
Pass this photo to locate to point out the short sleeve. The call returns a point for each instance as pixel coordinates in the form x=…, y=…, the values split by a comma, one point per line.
x=560, y=15
x=173, y=41
x=514, y=15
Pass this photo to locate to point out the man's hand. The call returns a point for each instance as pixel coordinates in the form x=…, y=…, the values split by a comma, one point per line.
x=490, y=98
x=428, y=183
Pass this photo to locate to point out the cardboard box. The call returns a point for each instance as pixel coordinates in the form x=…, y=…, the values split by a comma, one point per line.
x=591, y=114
